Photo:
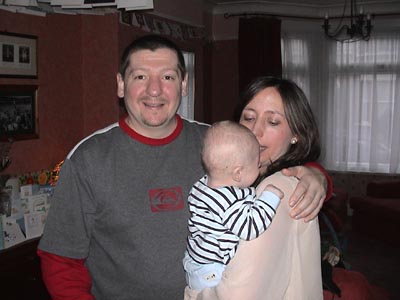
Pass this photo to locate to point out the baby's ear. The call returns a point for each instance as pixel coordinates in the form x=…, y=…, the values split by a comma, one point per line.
x=237, y=173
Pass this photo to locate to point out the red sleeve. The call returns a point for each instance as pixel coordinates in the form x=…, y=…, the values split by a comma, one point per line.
x=329, y=191
x=65, y=278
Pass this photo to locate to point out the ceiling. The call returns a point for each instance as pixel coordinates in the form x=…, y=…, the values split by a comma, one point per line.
x=316, y=3
x=315, y=8
x=301, y=8
x=307, y=2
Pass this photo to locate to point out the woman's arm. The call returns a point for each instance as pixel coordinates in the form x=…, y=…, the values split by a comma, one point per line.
x=314, y=188
x=282, y=263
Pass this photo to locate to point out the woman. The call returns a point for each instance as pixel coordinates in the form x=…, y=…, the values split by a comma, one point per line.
x=284, y=262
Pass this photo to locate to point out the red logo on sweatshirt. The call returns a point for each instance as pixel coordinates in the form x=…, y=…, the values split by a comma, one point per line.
x=169, y=199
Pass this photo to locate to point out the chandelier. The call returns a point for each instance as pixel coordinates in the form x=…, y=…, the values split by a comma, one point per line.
x=359, y=28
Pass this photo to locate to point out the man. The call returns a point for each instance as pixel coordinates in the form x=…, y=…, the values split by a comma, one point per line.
x=118, y=222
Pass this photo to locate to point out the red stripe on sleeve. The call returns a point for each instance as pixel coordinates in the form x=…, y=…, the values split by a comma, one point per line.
x=65, y=278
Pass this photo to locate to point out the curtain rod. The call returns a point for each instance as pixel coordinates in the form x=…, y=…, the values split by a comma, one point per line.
x=228, y=15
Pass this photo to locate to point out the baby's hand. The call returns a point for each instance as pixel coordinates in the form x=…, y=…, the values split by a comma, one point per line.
x=273, y=189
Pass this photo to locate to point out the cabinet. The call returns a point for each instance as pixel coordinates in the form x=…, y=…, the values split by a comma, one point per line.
x=20, y=274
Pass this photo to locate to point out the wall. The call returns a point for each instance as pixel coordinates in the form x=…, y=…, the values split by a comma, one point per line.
x=224, y=68
x=59, y=88
x=225, y=74
x=76, y=83
x=100, y=59
x=185, y=11
x=78, y=57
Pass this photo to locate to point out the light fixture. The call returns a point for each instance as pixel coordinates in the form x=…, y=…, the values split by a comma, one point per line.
x=359, y=28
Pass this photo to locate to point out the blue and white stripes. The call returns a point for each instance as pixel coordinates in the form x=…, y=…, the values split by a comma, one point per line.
x=221, y=217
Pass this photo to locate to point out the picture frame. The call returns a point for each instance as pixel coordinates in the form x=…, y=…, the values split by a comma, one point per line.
x=18, y=55
x=18, y=112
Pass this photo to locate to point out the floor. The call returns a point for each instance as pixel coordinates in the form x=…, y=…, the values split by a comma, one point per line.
x=379, y=262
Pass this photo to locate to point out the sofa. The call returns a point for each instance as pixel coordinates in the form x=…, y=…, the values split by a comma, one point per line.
x=335, y=209
x=377, y=214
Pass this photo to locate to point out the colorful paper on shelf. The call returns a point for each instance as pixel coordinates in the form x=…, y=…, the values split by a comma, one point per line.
x=34, y=224
x=12, y=233
x=28, y=190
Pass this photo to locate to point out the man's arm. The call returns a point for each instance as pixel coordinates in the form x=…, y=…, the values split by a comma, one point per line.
x=315, y=186
x=65, y=278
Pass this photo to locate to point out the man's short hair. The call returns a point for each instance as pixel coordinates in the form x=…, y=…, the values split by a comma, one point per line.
x=151, y=42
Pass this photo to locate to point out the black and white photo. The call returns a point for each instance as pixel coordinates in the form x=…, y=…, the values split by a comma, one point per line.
x=18, y=113
x=18, y=55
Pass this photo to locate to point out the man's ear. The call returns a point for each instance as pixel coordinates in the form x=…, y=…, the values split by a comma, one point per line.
x=237, y=173
x=120, y=86
x=184, y=85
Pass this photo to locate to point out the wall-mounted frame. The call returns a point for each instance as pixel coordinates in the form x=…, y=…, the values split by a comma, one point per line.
x=18, y=112
x=18, y=55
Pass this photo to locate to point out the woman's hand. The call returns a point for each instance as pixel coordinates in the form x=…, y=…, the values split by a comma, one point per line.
x=310, y=193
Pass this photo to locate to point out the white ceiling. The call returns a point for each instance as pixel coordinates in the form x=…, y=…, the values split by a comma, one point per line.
x=307, y=2
x=316, y=8
x=296, y=8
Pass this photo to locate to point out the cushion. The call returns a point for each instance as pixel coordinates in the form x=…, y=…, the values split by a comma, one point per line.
x=387, y=207
x=384, y=189
x=355, y=286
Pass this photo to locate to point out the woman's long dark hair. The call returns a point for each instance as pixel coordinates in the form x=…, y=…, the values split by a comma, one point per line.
x=298, y=115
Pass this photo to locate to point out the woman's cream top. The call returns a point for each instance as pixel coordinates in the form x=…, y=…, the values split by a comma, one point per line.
x=282, y=263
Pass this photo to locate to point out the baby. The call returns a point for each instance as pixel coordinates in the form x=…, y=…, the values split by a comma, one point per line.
x=223, y=206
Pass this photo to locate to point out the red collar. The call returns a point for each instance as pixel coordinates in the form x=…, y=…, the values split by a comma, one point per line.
x=151, y=141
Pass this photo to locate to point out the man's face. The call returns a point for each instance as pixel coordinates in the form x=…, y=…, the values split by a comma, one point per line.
x=152, y=88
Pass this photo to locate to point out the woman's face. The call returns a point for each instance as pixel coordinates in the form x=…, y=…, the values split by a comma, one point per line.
x=265, y=117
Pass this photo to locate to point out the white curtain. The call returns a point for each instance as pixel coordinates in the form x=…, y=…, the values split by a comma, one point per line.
x=354, y=90
x=186, y=109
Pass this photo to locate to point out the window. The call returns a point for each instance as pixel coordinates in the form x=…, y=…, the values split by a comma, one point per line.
x=186, y=109
x=354, y=90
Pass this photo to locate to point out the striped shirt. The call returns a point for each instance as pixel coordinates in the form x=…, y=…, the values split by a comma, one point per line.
x=220, y=217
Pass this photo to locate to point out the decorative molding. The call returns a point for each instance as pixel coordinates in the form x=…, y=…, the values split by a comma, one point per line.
x=98, y=7
x=306, y=8
x=151, y=23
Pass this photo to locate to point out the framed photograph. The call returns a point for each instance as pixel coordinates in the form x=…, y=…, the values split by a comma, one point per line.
x=18, y=55
x=18, y=112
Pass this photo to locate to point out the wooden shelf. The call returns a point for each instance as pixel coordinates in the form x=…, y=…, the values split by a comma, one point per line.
x=20, y=274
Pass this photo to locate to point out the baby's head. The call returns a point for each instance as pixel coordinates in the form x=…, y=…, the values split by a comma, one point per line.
x=231, y=154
